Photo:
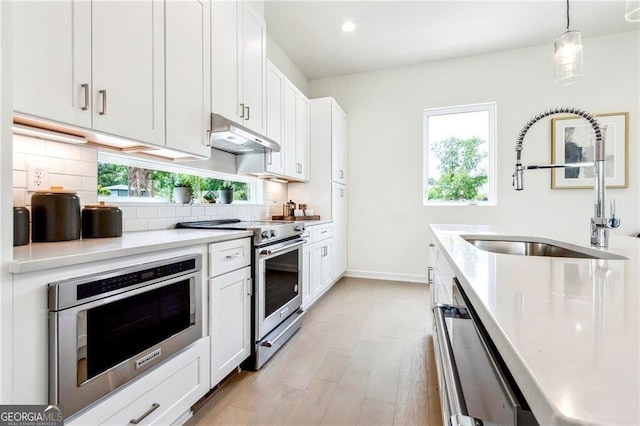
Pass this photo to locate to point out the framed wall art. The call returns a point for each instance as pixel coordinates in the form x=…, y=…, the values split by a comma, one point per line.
x=572, y=141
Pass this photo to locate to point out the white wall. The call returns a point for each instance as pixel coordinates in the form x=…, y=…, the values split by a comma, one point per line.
x=281, y=60
x=6, y=213
x=387, y=221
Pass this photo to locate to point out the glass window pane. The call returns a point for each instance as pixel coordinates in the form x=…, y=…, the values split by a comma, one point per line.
x=458, y=151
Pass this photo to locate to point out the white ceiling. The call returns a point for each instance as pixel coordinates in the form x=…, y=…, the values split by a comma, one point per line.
x=396, y=33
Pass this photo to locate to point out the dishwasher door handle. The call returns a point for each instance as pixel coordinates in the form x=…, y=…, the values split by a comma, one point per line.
x=458, y=413
x=449, y=370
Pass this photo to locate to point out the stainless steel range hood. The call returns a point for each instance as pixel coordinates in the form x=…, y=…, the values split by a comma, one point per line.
x=232, y=137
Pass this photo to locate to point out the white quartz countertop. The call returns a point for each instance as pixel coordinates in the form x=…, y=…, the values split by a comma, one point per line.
x=566, y=328
x=41, y=256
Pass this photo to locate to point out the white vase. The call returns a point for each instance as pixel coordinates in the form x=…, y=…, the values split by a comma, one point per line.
x=181, y=195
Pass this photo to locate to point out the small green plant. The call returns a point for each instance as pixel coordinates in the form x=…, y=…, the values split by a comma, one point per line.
x=182, y=184
x=226, y=186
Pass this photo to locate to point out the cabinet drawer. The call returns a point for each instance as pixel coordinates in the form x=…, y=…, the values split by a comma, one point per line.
x=154, y=406
x=229, y=256
x=322, y=232
x=174, y=386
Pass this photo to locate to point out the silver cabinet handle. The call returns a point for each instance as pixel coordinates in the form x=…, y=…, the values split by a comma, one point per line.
x=249, y=287
x=341, y=193
x=429, y=276
x=103, y=93
x=233, y=256
x=341, y=174
x=153, y=408
x=269, y=158
x=248, y=113
x=85, y=90
x=241, y=110
x=299, y=167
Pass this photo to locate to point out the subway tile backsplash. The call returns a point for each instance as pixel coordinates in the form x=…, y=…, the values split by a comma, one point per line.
x=75, y=168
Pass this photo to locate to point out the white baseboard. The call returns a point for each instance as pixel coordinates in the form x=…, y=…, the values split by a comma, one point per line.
x=389, y=276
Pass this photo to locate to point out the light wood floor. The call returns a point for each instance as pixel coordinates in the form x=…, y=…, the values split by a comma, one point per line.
x=363, y=356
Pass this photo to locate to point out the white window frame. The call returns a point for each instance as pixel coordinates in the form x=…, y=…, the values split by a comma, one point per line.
x=489, y=107
x=256, y=190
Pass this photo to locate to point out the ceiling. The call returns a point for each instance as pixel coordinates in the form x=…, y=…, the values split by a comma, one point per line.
x=396, y=33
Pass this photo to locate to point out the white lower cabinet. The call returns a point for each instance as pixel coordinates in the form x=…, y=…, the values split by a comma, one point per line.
x=163, y=396
x=230, y=321
x=317, y=263
x=321, y=271
x=230, y=290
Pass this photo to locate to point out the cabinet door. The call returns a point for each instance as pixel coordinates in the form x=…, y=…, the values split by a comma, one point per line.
x=302, y=137
x=338, y=144
x=307, y=267
x=327, y=264
x=226, y=71
x=52, y=60
x=254, y=69
x=275, y=106
x=289, y=129
x=230, y=321
x=128, y=69
x=339, y=216
x=317, y=252
x=187, y=74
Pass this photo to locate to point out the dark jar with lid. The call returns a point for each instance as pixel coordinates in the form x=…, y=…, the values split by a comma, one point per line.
x=101, y=221
x=56, y=216
x=20, y=226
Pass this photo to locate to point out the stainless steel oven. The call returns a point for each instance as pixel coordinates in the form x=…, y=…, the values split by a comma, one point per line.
x=476, y=387
x=278, y=281
x=106, y=329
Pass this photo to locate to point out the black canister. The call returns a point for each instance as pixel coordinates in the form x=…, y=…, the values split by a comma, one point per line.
x=101, y=221
x=56, y=216
x=20, y=226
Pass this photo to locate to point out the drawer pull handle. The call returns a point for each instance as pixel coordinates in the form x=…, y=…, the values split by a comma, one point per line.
x=233, y=256
x=153, y=408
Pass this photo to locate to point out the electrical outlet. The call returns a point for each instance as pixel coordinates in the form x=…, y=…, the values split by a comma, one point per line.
x=37, y=178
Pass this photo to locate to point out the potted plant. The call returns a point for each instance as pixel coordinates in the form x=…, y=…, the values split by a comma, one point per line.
x=225, y=193
x=182, y=192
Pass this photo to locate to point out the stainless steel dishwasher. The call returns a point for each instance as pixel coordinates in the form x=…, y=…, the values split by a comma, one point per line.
x=475, y=386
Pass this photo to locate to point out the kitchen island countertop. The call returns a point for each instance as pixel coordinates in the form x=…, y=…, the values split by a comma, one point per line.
x=40, y=256
x=567, y=328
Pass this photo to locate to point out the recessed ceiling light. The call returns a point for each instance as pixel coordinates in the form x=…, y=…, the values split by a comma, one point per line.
x=348, y=26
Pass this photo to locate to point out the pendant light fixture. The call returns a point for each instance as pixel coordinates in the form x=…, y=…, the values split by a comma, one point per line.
x=632, y=11
x=568, y=56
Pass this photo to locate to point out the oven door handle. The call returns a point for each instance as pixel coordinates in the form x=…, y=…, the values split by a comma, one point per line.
x=457, y=407
x=289, y=247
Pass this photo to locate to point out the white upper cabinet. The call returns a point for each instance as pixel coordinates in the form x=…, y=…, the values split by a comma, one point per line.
x=188, y=76
x=128, y=69
x=239, y=63
x=94, y=64
x=338, y=144
x=287, y=117
x=302, y=137
x=254, y=69
x=52, y=60
x=275, y=122
x=226, y=86
x=296, y=133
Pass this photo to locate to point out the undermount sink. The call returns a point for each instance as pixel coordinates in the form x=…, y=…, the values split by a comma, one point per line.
x=532, y=246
